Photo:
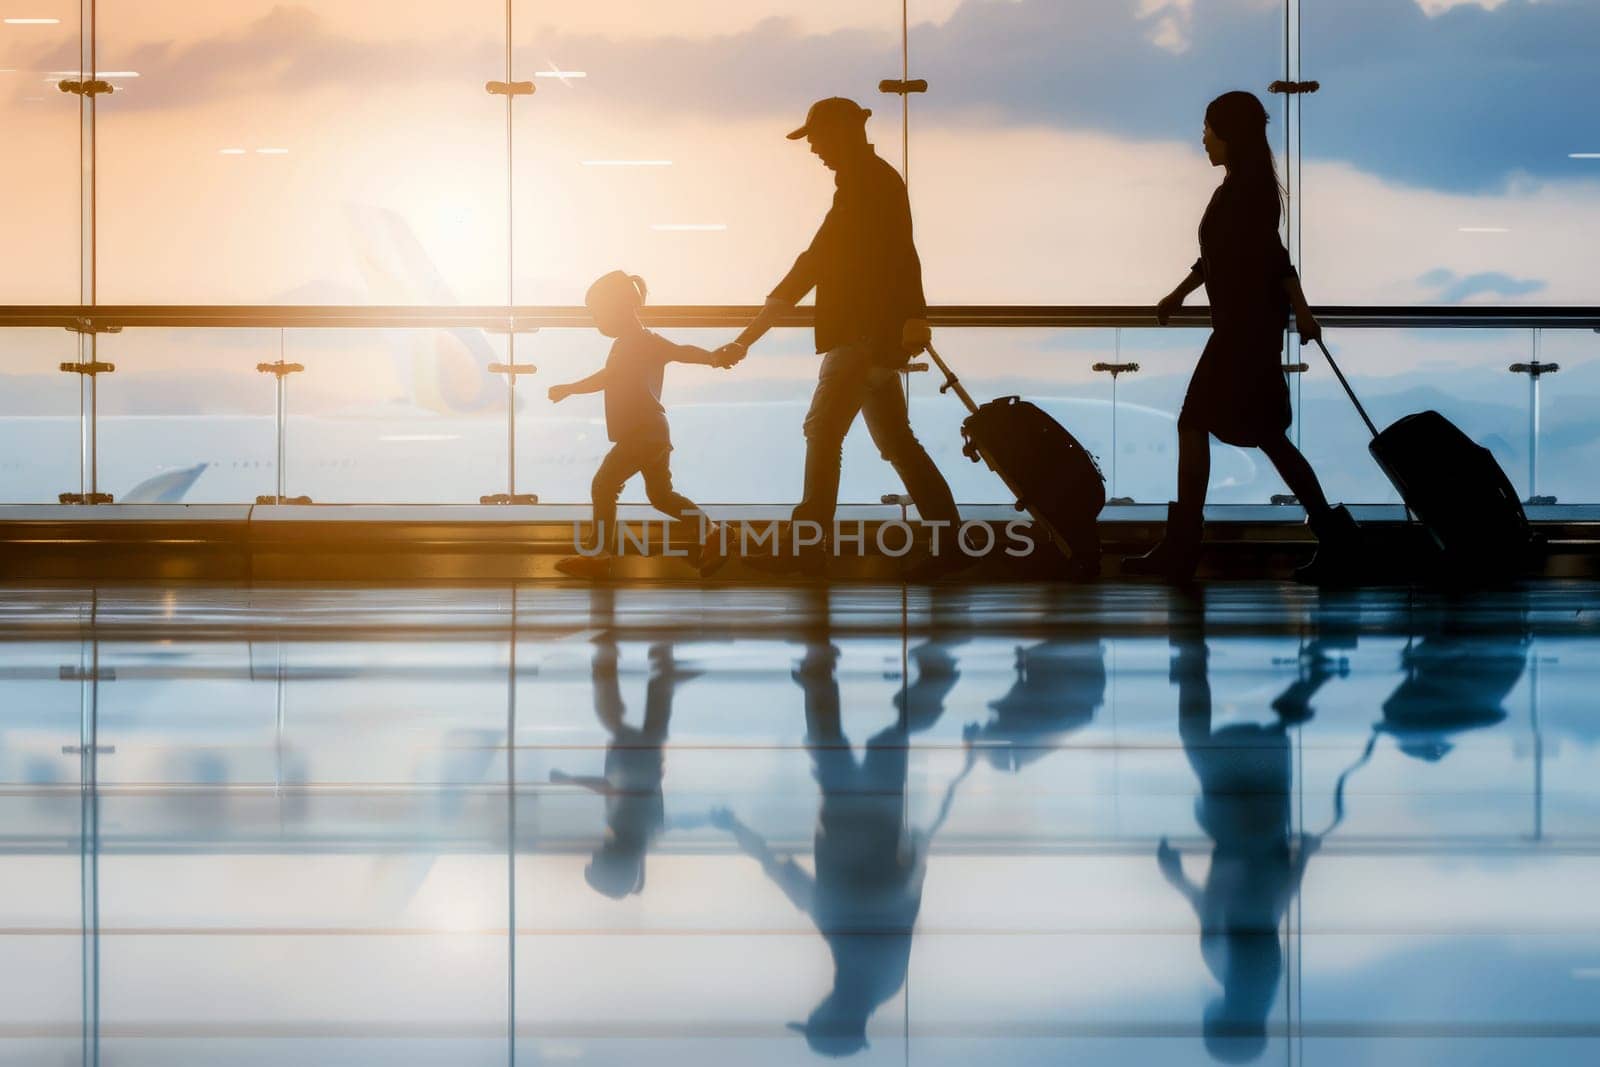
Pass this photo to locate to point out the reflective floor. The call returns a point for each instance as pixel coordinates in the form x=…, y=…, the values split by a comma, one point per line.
x=1014, y=825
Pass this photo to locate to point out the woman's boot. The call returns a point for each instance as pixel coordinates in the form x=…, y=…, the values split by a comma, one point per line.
x=1176, y=557
x=1339, y=549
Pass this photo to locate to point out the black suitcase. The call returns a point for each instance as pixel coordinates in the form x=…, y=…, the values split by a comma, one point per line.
x=1455, y=489
x=1054, y=478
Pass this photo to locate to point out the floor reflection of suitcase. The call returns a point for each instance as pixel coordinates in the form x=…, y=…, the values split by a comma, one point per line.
x=1053, y=477
x=1455, y=489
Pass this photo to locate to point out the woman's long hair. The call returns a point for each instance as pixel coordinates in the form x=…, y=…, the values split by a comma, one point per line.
x=1241, y=121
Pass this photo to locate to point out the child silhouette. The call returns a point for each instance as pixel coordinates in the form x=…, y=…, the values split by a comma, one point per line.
x=636, y=422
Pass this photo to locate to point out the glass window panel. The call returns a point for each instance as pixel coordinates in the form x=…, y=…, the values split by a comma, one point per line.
x=1056, y=157
x=667, y=158
x=186, y=417
x=39, y=202
x=338, y=152
x=40, y=427
x=396, y=416
x=1439, y=153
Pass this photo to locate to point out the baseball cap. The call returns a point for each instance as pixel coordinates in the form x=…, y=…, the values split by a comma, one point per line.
x=834, y=111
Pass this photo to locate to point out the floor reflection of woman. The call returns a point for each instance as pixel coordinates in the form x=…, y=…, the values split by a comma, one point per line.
x=1238, y=393
x=1256, y=868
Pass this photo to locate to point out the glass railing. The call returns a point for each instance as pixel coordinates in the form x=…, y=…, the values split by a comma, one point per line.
x=418, y=405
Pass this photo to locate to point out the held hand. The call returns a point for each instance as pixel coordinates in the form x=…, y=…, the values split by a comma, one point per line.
x=915, y=337
x=729, y=355
x=1307, y=326
x=1168, y=304
x=558, y=393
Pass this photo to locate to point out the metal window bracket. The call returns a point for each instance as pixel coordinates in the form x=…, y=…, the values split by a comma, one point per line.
x=513, y=368
x=88, y=327
x=1288, y=88
x=91, y=368
x=84, y=498
x=901, y=87
x=86, y=87
x=280, y=369
x=510, y=88
x=509, y=498
x=1296, y=368
x=270, y=499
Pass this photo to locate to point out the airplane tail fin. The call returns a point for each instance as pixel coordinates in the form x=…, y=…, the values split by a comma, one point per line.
x=445, y=371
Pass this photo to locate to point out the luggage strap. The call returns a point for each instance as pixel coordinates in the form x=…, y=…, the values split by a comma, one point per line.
x=1351, y=393
x=951, y=382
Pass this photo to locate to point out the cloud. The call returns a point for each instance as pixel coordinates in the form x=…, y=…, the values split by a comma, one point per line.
x=290, y=49
x=1439, y=7
x=1456, y=289
x=1171, y=20
x=1457, y=96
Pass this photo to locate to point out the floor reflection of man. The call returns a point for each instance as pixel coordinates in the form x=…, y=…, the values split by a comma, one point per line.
x=870, y=865
x=635, y=769
x=1256, y=863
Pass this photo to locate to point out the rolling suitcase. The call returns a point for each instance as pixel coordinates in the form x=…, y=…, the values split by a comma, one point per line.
x=1455, y=489
x=1053, y=477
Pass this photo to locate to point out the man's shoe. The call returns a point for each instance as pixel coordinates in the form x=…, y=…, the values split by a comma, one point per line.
x=589, y=568
x=713, y=554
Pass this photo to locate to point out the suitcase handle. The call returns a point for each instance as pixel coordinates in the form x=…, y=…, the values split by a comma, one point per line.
x=951, y=381
x=1351, y=393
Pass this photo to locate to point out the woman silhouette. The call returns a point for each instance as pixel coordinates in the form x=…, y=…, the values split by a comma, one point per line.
x=1238, y=393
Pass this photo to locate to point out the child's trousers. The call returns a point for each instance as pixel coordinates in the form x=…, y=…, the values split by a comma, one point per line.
x=627, y=458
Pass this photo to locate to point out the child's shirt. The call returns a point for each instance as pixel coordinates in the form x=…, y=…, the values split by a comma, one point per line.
x=634, y=372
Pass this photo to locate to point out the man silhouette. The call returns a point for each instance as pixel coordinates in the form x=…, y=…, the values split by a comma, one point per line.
x=870, y=319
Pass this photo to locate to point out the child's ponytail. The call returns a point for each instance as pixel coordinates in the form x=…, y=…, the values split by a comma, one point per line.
x=617, y=289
